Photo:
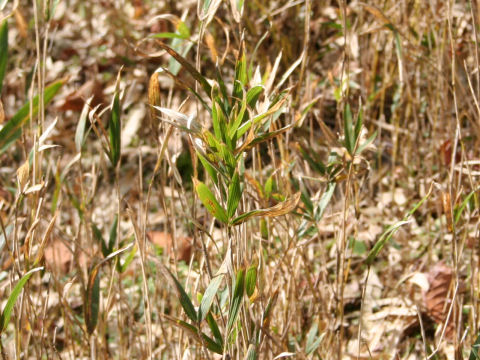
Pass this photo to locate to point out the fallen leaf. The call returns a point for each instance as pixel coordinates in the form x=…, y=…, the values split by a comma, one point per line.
x=436, y=299
x=76, y=99
x=165, y=241
x=59, y=257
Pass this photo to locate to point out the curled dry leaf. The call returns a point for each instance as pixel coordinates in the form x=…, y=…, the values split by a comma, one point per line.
x=165, y=241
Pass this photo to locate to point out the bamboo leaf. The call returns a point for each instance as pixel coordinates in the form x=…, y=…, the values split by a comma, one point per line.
x=92, y=299
x=237, y=297
x=347, y=128
x=113, y=235
x=208, y=199
x=208, y=297
x=114, y=131
x=182, y=295
x=215, y=330
x=3, y=51
x=251, y=280
x=196, y=75
x=280, y=209
x=234, y=195
x=12, y=299
x=13, y=128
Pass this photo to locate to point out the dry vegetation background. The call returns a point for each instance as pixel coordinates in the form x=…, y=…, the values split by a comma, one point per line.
x=370, y=109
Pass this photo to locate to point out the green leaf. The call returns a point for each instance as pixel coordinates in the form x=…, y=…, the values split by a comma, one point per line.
x=13, y=128
x=253, y=94
x=114, y=131
x=237, y=298
x=474, y=355
x=347, y=128
x=182, y=295
x=122, y=266
x=208, y=297
x=211, y=170
x=208, y=199
x=234, y=195
x=459, y=210
x=192, y=331
x=92, y=299
x=313, y=342
x=169, y=35
x=251, y=353
x=3, y=51
x=113, y=235
x=196, y=75
x=240, y=73
x=215, y=330
x=324, y=201
x=251, y=280
x=97, y=234
x=12, y=299
x=366, y=143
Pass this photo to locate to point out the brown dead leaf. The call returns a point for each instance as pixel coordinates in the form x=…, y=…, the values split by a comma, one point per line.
x=21, y=23
x=436, y=298
x=2, y=113
x=59, y=257
x=165, y=241
x=75, y=100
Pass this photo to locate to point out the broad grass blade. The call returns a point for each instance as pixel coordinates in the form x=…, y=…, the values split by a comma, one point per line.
x=114, y=131
x=12, y=299
x=237, y=298
x=92, y=299
x=13, y=128
x=3, y=51
x=208, y=297
x=234, y=195
x=208, y=199
x=182, y=295
x=251, y=280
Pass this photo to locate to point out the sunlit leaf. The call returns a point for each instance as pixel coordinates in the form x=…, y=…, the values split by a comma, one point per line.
x=13, y=128
x=12, y=299
x=208, y=199
x=3, y=51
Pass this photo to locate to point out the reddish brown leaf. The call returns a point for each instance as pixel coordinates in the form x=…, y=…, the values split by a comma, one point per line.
x=75, y=100
x=165, y=241
x=437, y=298
x=59, y=257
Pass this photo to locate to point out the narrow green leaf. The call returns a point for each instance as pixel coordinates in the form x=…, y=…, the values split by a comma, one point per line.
x=3, y=51
x=313, y=341
x=192, y=331
x=348, y=128
x=245, y=216
x=208, y=199
x=459, y=210
x=386, y=236
x=113, y=235
x=80, y=130
x=182, y=295
x=114, y=131
x=92, y=299
x=358, y=125
x=191, y=69
x=366, y=143
x=324, y=201
x=253, y=94
x=169, y=35
x=240, y=73
x=209, y=168
x=122, y=265
x=13, y=128
x=234, y=195
x=215, y=330
x=97, y=234
x=251, y=353
x=237, y=298
x=208, y=297
x=474, y=354
x=251, y=280
x=12, y=299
